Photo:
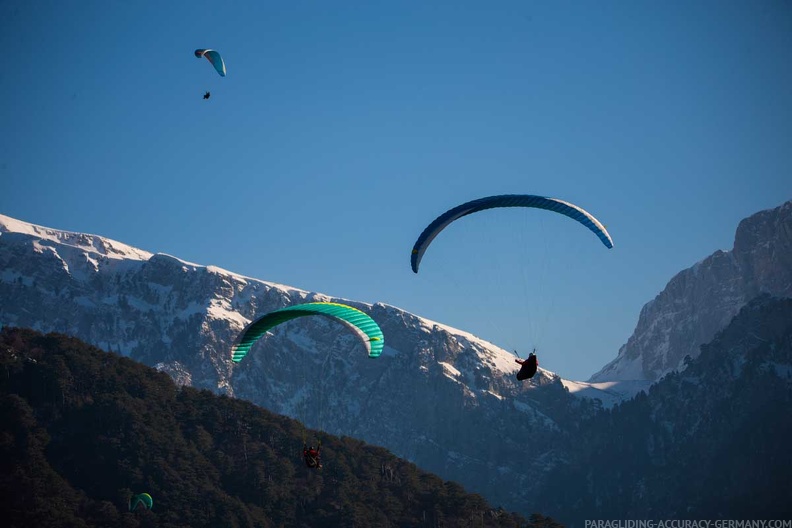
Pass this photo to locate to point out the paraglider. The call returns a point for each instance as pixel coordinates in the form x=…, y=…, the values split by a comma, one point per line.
x=367, y=330
x=312, y=457
x=506, y=200
x=213, y=57
x=529, y=366
x=364, y=326
x=143, y=499
x=215, y=60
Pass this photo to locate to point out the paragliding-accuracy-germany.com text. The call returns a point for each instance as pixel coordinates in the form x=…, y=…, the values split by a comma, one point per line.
x=687, y=523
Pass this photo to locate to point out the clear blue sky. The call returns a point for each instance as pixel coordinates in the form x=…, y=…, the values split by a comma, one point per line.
x=343, y=128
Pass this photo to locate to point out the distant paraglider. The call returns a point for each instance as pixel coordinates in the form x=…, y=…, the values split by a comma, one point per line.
x=143, y=499
x=312, y=456
x=216, y=60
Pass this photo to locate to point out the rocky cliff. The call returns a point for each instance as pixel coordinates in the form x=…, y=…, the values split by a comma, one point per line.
x=701, y=300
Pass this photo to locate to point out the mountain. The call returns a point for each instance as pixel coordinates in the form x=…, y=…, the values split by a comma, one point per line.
x=708, y=442
x=83, y=431
x=432, y=386
x=701, y=300
x=440, y=397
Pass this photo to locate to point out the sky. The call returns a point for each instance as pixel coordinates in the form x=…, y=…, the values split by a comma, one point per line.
x=343, y=128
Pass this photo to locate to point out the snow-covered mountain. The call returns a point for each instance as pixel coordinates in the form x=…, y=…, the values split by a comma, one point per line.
x=437, y=396
x=701, y=300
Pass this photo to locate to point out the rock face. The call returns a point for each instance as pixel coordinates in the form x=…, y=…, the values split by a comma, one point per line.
x=433, y=385
x=701, y=300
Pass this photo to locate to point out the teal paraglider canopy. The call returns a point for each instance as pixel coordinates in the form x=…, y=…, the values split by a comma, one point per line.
x=143, y=499
x=213, y=57
x=359, y=322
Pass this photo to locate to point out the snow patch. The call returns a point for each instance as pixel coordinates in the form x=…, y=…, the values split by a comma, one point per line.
x=450, y=370
x=84, y=242
x=608, y=392
x=623, y=369
x=494, y=394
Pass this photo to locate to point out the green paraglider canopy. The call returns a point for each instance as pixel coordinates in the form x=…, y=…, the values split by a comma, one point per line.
x=357, y=321
x=143, y=499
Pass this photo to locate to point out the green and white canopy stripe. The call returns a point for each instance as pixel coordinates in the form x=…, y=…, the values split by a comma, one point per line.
x=357, y=321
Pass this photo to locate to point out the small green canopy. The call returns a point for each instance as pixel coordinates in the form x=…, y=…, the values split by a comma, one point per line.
x=144, y=499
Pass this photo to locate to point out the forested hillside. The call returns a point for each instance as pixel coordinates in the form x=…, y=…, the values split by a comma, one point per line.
x=84, y=430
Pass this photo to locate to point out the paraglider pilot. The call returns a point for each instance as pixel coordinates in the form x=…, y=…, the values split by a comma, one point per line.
x=312, y=457
x=207, y=95
x=529, y=366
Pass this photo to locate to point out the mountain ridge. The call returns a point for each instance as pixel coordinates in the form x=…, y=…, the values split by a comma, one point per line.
x=433, y=384
x=701, y=300
x=183, y=318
